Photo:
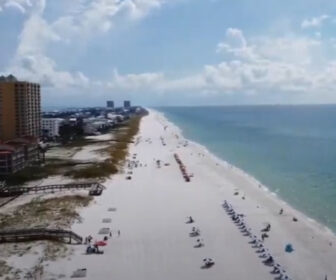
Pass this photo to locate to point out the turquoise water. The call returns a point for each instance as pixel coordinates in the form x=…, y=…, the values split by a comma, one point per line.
x=290, y=149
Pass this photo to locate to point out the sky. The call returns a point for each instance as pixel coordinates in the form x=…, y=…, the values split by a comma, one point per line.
x=172, y=52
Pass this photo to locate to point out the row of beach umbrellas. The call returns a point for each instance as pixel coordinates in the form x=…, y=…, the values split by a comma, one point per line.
x=256, y=243
x=182, y=168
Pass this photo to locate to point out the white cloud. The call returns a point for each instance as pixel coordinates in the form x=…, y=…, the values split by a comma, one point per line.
x=136, y=82
x=102, y=15
x=296, y=50
x=314, y=22
x=235, y=44
x=290, y=64
x=16, y=5
x=250, y=66
x=35, y=36
x=20, y=5
x=40, y=68
x=261, y=65
x=285, y=64
x=91, y=17
x=154, y=82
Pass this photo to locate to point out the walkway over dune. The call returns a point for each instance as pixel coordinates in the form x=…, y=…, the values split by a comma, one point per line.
x=18, y=235
x=95, y=189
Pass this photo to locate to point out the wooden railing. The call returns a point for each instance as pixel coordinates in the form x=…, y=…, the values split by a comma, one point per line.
x=14, y=191
x=18, y=235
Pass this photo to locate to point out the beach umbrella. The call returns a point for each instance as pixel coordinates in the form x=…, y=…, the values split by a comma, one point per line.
x=289, y=248
x=101, y=243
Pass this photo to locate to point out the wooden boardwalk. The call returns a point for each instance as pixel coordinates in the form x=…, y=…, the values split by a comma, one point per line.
x=18, y=235
x=95, y=189
x=5, y=200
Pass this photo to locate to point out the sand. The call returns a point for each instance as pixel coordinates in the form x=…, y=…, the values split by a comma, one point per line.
x=152, y=208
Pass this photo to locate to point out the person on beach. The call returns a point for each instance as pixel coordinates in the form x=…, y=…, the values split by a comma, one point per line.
x=208, y=262
x=118, y=233
x=199, y=243
x=190, y=220
x=263, y=236
x=281, y=211
x=267, y=228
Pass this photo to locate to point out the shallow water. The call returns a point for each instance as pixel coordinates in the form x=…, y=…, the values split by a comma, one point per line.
x=290, y=149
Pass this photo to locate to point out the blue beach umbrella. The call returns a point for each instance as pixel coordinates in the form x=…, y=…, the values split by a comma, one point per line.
x=289, y=248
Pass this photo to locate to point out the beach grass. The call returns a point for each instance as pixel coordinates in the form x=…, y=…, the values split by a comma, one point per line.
x=37, y=172
x=117, y=152
x=57, y=212
x=52, y=212
x=4, y=268
x=98, y=170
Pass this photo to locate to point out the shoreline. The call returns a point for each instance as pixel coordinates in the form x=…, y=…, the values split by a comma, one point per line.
x=252, y=179
x=147, y=220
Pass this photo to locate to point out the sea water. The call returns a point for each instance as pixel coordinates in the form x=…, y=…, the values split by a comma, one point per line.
x=290, y=149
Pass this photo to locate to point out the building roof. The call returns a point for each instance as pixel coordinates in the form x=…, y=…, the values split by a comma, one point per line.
x=9, y=148
x=52, y=119
x=13, y=79
x=9, y=78
x=22, y=140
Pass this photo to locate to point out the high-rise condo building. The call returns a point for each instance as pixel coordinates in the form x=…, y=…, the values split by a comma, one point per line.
x=20, y=109
x=127, y=104
x=110, y=104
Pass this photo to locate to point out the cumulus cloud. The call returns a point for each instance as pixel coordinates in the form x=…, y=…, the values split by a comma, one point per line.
x=268, y=64
x=40, y=68
x=136, y=82
x=291, y=64
x=256, y=65
x=102, y=15
x=91, y=17
x=314, y=22
x=19, y=5
x=154, y=82
x=16, y=5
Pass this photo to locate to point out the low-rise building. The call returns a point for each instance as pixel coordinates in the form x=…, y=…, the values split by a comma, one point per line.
x=94, y=126
x=51, y=126
x=30, y=147
x=12, y=159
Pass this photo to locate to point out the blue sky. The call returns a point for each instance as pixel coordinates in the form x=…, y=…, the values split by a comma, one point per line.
x=172, y=52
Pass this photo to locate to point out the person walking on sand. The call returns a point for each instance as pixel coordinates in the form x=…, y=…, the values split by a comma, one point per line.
x=118, y=233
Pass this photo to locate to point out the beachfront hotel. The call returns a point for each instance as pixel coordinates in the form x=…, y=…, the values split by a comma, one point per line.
x=110, y=104
x=20, y=124
x=20, y=108
x=127, y=104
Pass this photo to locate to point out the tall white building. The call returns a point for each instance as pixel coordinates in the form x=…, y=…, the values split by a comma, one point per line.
x=50, y=127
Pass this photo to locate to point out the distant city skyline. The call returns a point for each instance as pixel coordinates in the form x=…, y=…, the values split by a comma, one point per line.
x=176, y=52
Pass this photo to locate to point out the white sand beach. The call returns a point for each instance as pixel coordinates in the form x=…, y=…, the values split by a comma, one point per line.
x=151, y=212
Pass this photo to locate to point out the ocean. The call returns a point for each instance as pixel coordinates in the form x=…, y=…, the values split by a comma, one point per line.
x=289, y=149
